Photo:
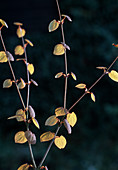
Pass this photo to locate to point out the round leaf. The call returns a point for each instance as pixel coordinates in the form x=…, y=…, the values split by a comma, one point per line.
x=19, y=50
x=60, y=142
x=113, y=75
x=20, y=115
x=72, y=118
x=7, y=83
x=3, y=57
x=30, y=137
x=59, y=49
x=51, y=121
x=20, y=32
x=53, y=25
x=22, y=84
x=20, y=137
x=47, y=136
x=60, y=111
x=81, y=86
x=31, y=68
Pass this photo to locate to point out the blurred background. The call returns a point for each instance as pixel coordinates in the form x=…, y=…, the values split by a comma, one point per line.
x=93, y=144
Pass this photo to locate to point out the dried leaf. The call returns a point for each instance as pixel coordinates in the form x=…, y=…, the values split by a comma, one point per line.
x=69, y=19
x=101, y=68
x=31, y=68
x=3, y=57
x=19, y=50
x=92, y=96
x=7, y=83
x=9, y=56
x=20, y=32
x=51, y=121
x=35, y=122
x=29, y=42
x=22, y=84
x=31, y=111
x=30, y=137
x=60, y=111
x=71, y=118
x=47, y=136
x=73, y=76
x=81, y=86
x=60, y=142
x=53, y=25
x=21, y=116
x=115, y=45
x=58, y=75
x=67, y=126
x=113, y=75
x=66, y=46
x=44, y=167
x=3, y=23
x=24, y=167
x=59, y=49
x=20, y=137
x=34, y=82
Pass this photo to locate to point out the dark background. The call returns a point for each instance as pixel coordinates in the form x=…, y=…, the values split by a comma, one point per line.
x=93, y=145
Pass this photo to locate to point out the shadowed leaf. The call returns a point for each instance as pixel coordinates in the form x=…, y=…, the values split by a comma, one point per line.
x=7, y=83
x=20, y=115
x=3, y=57
x=67, y=126
x=53, y=25
x=30, y=137
x=20, y=137
x=51, y=121
x=47, y=136
x=58, y=75
x=22, y=84
x=24, y=167
x=31, y=111
x=60, y=111
x=34, y=82
x=69, y=19
x=9, y=56
x=59, y=49
x=60, y=142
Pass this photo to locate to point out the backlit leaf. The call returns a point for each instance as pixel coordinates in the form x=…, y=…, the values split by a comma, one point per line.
x=20, y=32
x=7, y=83
x=30, y=137
x=18, y=23
x=58, y=75
x=9, y=56
x=72, y=118
x=60, y=142
x=51, y=121
x=73, y=76
x=59, y=49
x=92, y=96
x=19, y=50
x=31, y=68
x=67, y=126
x=113, y=75
x=53, y=25
x=20, y=115
x=101, y=68
x=60, y=111
x=47, y=136
x=24, y=167
x=20, y=137
x=81, y=86
x=22, y=84
x=31, y=111
x=29, y=42
x=3, y=23
x=35, y=122
x=3, y=57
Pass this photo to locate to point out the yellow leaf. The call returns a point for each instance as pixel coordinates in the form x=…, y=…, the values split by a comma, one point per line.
x=19, y=50
x=20, y=137
x=20, y=32
x=113, y=75
x=60, y=142
x=3, y=57
x=24, y=167
x=81, y=86
x=29, y=42
x=22, y=84
x=92, y=96
x=51, y=121
x=72, y=118
x=35, y=122
x=59, y=49
x=7, y=83
x=101, y=68
x=18, y=23
x=58, y=75
x=21, y=116
x=53, y=25
x=47, y=136
x=31, y=68
x=3, y=23
x=60, y=111
x=73, y=76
